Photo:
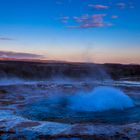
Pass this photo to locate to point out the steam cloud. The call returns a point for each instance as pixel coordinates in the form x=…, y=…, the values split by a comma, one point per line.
x=100, y=99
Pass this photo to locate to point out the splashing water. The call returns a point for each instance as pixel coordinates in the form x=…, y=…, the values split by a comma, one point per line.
x=103, y=104
x=81, y=105
x=100, y=99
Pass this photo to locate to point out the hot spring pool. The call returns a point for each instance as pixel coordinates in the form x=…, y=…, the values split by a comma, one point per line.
x=102, y=105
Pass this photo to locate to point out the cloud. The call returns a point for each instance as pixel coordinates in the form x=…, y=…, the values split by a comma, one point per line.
x=87, y=26
x=83, y=18
x=93, y=21
x=98, y=6
x=19, y=55
x=121, y=5
x=91, y=25
x=6, y=39
x=96, y=20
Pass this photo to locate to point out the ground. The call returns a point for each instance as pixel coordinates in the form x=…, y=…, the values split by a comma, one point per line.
x=15, y=96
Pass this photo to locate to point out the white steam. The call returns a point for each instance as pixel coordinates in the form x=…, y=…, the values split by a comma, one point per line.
x=100, y=99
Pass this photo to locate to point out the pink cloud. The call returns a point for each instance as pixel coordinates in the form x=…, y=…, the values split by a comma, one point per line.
x=93, y=25
x=86, y=18
x=98, y=6
x=98, y=17
x=94, y=21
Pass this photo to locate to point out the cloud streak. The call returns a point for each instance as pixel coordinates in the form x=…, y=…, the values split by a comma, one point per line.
x=19, y=55
x=98, y=6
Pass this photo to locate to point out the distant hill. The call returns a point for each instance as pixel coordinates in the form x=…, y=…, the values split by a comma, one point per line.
x=46, y=69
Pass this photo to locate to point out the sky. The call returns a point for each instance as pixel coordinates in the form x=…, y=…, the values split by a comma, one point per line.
x=100, y=31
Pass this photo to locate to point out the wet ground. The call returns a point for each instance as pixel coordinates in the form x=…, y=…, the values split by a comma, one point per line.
x=21, y=103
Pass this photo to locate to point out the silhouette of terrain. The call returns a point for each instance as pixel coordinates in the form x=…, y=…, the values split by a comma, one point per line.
x=51, y=69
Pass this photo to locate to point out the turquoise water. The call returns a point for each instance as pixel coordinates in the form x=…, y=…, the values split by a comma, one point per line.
x=47, y=111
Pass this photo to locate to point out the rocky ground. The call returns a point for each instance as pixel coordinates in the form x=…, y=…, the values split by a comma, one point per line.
x=14, y=96
x=40, y=79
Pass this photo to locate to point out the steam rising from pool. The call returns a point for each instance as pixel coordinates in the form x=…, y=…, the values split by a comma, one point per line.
x=100, y=99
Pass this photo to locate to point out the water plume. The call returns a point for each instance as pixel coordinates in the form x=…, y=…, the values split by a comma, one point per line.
x=100, y=99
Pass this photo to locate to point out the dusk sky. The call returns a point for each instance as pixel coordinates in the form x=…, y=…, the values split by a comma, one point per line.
x=101, y=31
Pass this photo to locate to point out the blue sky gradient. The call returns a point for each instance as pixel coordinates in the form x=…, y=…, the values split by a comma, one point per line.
x=73, y=30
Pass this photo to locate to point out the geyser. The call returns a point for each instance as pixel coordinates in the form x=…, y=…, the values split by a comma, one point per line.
x=100, y=99
x=101, y=105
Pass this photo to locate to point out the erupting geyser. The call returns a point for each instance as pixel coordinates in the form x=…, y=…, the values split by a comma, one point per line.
x=100, y=99
x=94, y=106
